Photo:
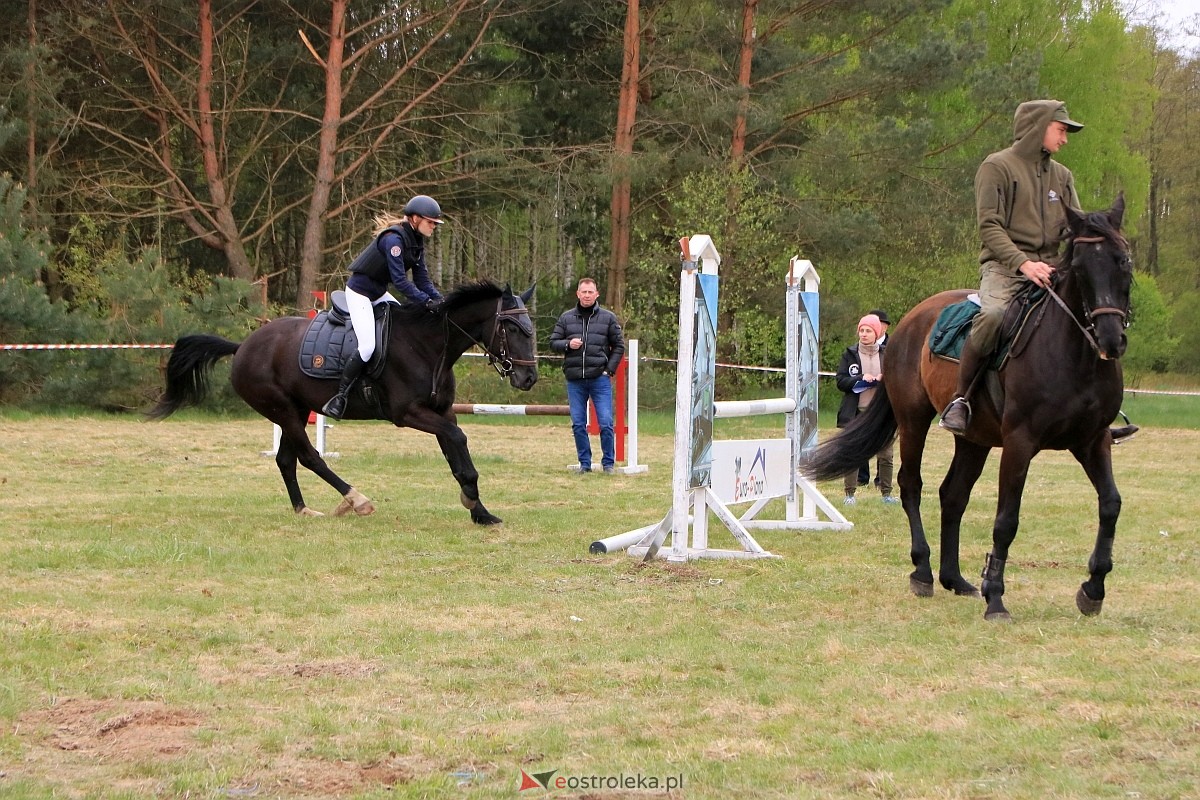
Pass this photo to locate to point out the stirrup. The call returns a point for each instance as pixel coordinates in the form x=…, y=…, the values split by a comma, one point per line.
x=967, y=410
x=335, y=407
x=1123, y=434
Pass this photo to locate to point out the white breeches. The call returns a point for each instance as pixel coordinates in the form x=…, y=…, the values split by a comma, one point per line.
x=362, y=319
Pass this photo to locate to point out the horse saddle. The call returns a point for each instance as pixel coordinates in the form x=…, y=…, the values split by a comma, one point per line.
x=330, y=341
x=949, y=333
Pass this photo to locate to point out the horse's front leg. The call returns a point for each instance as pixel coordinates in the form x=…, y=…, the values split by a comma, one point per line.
x=1096, y=461
x=1014, y=470
x=453, y=443
x=954, y=494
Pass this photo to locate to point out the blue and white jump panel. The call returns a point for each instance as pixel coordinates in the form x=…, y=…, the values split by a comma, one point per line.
x=711, y=475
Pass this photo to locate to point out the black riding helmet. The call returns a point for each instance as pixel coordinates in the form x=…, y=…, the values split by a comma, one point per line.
x=424, y=206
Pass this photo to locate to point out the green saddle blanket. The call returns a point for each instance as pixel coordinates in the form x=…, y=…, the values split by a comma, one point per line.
x=950, y=331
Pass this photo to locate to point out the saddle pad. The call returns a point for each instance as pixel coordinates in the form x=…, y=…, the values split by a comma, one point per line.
x=950, y=331
x=329, y=343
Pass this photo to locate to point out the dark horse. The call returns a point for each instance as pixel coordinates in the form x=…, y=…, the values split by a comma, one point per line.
x=415, y=390
x=1059, y=389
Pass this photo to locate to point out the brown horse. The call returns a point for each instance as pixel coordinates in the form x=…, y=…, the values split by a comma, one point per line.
x=1059, y=389
x=415, y=389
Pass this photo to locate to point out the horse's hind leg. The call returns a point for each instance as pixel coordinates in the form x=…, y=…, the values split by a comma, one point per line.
x=285, y=460
x=1097, y=463
x=912, y=449
x=294, y=445
x=954, y=494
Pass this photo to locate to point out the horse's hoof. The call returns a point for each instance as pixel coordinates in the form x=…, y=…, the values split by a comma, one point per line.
x=920, y=588
x=961, y=588
x=467, y=502
x=355, y=501
x=310, y=512
x=1086, y=605
x=486, y=519
x=997, y=616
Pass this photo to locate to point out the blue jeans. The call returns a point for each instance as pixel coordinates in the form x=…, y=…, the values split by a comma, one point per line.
x=600, y=391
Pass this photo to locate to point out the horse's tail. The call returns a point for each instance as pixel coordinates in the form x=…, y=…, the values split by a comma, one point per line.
x=857, y=443
x=187, y=372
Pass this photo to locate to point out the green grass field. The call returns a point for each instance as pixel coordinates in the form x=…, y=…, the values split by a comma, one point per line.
x=168, y=628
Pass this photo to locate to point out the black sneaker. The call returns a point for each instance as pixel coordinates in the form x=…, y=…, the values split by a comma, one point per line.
x=609, y=470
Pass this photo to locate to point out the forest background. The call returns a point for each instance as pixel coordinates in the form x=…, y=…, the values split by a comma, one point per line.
x=204, y=165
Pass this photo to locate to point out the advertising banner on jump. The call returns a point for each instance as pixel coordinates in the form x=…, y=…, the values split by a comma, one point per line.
x=808, y=322
x=745, y=470
x=704, y=379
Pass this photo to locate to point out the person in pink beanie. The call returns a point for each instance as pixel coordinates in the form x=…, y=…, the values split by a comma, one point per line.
x=858, y=374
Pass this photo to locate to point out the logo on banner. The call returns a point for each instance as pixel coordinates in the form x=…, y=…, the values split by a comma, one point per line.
x=755, y=482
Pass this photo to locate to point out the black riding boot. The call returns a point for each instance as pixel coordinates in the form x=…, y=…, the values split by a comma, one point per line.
x=336, y=407
x=957, y=415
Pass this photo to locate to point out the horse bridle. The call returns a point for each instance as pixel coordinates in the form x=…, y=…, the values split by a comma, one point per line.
x=500, y=360
x=1089, y=314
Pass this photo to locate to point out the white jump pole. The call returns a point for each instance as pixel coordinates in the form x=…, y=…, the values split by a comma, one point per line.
x=753, y=408
x=277, y=435
x=802, y=358
x=630, y=400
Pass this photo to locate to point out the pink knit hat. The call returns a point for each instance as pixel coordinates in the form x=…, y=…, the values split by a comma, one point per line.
x=872, y=322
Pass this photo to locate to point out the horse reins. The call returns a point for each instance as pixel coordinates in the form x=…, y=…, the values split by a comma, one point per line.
x=1090, y=314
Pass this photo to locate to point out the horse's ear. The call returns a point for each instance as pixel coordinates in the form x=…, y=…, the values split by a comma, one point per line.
x=1117, y=212
x=527, y=295
x=1075, y=220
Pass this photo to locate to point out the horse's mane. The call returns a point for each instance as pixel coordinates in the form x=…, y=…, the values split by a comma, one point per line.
x=462, y=295
x=468, y=293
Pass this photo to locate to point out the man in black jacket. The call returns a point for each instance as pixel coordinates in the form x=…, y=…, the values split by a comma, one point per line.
x=590, y=338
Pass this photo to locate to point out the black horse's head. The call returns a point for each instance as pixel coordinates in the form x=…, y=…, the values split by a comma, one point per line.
x=1097, y=263
x=497, y=321
x=513, y=341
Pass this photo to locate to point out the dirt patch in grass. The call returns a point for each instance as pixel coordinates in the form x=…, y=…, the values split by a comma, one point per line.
x=113, y=729
x=343, y=668
x=311, y=777
x=77, y=735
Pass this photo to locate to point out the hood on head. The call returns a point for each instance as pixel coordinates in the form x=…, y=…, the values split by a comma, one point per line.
x=1031, y=120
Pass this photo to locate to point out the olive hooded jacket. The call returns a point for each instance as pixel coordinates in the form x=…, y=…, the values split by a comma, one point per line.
x=1020, y=192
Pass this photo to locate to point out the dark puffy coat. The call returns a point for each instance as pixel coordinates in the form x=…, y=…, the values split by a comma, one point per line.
x=603, y=342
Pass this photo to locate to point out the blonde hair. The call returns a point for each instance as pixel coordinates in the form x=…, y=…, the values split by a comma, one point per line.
x=385, y=221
